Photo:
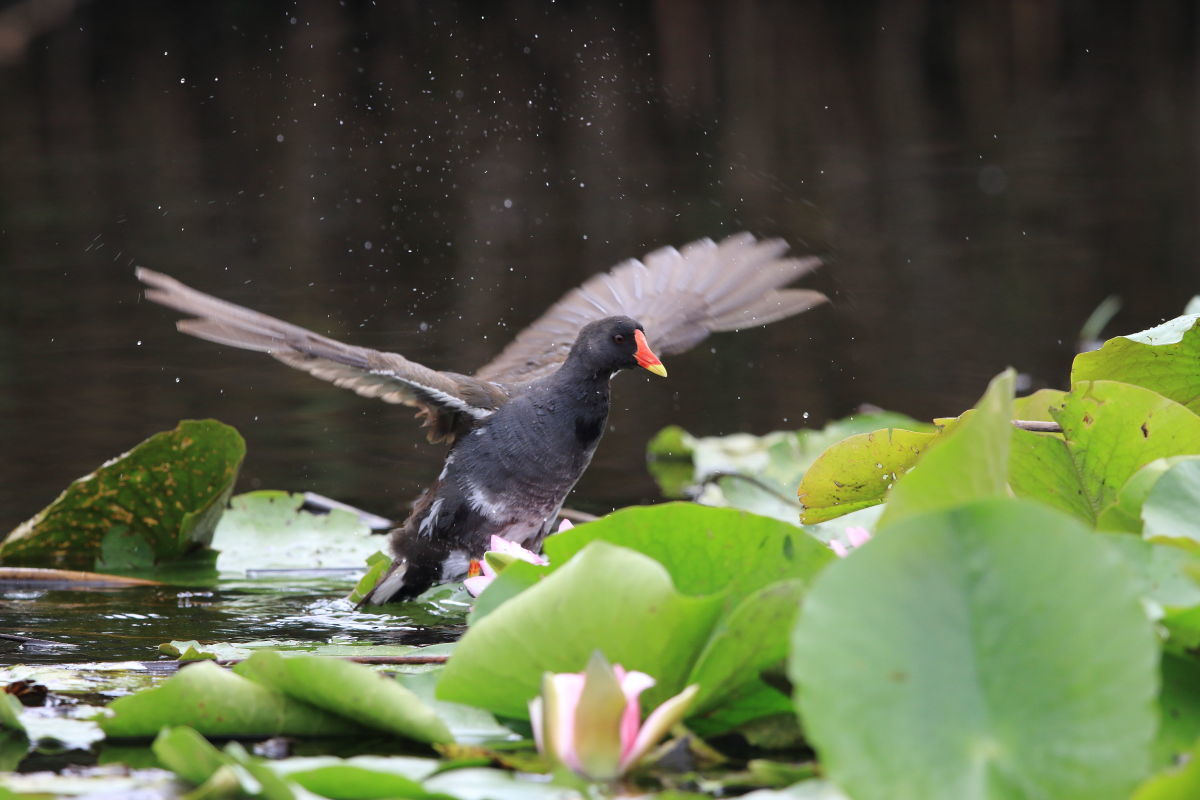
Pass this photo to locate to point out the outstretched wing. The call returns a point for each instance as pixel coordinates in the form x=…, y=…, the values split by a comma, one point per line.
x=447, y=400
x=679, y=296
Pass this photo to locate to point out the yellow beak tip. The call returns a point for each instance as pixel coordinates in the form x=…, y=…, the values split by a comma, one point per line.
x=657, y=369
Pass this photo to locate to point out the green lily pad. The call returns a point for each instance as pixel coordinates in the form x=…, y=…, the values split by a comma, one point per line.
x=994, y=650
x=1167, y=585
x=1178, y=709
x=217, y=703
x=188, y=754
x=754, y=473
x=1125, y=512
x=1110, y=431
x=858, y=472
x=350, y=781
x=157, y=504
x=1163, y=359
x=969, y=461
x=377, y=564
x=1181, y=782
x=746, y=642
x=10, y=713
x=1040, y=467
x=268, y=530
x=1172, y=507
x=704, y=549
x=556, y=625
x=1036, y=407
x=754, y=567
x=370, y=698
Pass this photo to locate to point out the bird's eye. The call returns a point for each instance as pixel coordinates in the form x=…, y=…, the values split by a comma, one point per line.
x=618, y=338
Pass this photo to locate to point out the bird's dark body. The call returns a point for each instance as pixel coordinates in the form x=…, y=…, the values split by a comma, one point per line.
x=508, y=474
x=523, y=427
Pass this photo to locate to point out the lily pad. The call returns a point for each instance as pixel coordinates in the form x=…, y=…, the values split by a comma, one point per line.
x=349, y=781
x=268, y=530
x=858, y=472
x=754, y=473
x=643, y=623
x=997, y=649
x=1172, y=508
x=1181, y=782
x=1178, y=709
x=370, y=698
x=968, y=462
x=157, y=504
x=704, y=549
x=188, y=754
x=1125, y=512
x=745, y=642
x=218, y=703
x=1163, y=358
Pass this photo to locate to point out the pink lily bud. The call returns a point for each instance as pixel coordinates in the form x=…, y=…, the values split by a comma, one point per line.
x=508, y=552
x=591, y=722
x=856, y=536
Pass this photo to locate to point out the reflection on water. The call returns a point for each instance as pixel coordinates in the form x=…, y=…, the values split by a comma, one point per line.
x=427, y=177
x=130, y=624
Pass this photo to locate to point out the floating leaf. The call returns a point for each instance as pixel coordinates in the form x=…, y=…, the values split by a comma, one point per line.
x=755, y=473
x=217, y=703
x=156, y=504
x=350, y=781
x=1125, y=512
x=268, y=530
x=377, y=564
x=556, y=625
x=1178, y=709
x=997, y=649
x=858, y=472
x=1180, y=782
x=1110, y=431
x=1163, y=359
x=188, y=754
x=746, y=642
x=1172, y=508
x=968, y=462
x=370, y=698
x=704, y=549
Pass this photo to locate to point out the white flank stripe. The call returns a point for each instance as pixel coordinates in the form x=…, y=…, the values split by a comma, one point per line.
x=427, y=523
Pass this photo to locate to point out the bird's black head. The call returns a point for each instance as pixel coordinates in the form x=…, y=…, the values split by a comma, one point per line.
x=614, y=343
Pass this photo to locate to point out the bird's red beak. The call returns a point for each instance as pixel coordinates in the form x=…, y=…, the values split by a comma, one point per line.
x=645, y=356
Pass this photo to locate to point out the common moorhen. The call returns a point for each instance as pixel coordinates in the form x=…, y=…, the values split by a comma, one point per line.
x=524, y=427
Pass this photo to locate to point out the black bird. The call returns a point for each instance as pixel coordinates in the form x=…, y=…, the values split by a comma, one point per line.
x=524, y=427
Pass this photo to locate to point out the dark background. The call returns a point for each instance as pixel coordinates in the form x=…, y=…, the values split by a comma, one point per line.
x=428, y=177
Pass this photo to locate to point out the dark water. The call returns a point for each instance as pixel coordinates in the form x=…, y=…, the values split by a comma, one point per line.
x=427, y=177
x=74, y=626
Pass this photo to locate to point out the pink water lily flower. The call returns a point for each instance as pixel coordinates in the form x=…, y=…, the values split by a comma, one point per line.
x=857, y=536
x=590, y=721
x=506, y=549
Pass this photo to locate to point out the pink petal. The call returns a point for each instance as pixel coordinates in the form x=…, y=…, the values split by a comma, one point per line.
x=658, y=724
x=839, y=549
x=476, y=585
x=567, y=687
x=502, y=545
x=632, y=685
x=858, y=535
x=565, y=525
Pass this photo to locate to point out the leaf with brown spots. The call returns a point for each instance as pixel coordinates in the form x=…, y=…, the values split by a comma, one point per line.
x=155, y=505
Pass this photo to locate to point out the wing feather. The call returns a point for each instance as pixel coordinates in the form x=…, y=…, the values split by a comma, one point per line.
x=679, y=295
x=449, y=401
